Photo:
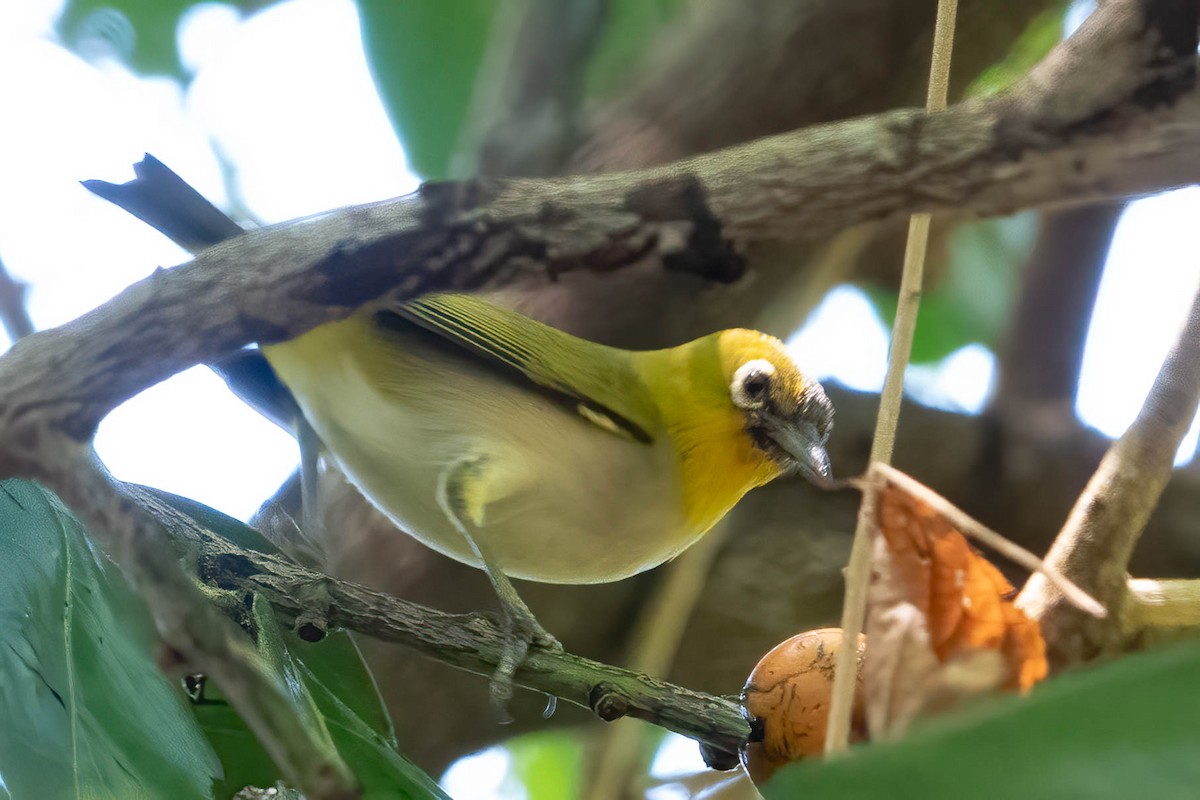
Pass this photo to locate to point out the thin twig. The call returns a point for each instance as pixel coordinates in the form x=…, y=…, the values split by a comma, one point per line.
x=858, y=571
x=472, y=642
x=1096, y=542
x=976, y=530
x=1161, y=604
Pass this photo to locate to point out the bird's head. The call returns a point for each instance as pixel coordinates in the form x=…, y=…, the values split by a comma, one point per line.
x=786, y=415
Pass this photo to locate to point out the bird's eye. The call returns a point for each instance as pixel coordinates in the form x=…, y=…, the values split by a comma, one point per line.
x=752, y=383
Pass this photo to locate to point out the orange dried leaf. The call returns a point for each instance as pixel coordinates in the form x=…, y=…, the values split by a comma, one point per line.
x=962, y=594
x=940, y=619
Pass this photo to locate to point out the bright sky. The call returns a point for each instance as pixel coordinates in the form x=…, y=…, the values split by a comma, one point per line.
x=286, y=96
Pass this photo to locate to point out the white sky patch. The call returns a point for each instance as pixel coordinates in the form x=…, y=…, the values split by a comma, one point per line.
x=288, y=97
x=191, y=436
x=1148, y=285
x=1077, y=12
x=961, y=382
x=677, y=758
x=78, y=121
x=204, y=32
x=27, y=19
x=843, y=340
x=677, y=755
x=479, y=776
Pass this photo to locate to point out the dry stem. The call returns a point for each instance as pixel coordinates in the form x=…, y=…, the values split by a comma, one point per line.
x=858, y=571
x=1095, y=544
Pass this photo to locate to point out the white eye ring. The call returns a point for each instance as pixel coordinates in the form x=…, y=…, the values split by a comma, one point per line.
x=751, y=382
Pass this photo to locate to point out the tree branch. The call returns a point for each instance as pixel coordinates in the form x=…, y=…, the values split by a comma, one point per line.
x=1161, y=607
x=474, y=642
x=1095, y=545
x=1058, y=137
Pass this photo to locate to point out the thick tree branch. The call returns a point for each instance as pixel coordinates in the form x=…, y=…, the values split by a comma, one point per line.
x=1095, y=545
x=315, y=602
x=1077, y=129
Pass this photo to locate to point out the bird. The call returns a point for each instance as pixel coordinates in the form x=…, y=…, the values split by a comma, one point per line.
x=529, y=453
x=513, y=446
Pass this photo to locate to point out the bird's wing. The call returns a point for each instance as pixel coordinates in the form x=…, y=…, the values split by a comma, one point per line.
x=596, y=382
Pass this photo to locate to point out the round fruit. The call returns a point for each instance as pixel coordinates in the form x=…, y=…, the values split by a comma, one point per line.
x=787, y=697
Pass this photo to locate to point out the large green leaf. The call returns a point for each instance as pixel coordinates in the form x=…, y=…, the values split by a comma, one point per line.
x=228, y=528
x=972, y=300
x=1123, y=730
x=86, y=712
x=329, y=682
x=424, y=56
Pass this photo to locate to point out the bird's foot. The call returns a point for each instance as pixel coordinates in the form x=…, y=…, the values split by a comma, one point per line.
x=521, y=630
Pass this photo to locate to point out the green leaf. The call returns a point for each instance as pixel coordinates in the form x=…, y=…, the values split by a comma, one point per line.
x=141, y=32
x=547, y=765
x=86, y=712
x=329, y=683
x=1121, y=730
x=229, y=528
x=1045, y=31
x=972, y=300
x=424, y=56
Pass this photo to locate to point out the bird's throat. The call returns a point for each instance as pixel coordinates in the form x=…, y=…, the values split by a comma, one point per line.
x=719, y=463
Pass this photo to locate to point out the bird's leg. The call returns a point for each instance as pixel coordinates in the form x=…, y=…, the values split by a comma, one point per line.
x=312, y=515
x=521, y=628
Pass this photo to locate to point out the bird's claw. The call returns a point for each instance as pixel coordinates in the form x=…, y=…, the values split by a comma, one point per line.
x=521, y=630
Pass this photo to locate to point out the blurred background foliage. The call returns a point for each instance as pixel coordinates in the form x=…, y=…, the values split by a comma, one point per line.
x=429, y=60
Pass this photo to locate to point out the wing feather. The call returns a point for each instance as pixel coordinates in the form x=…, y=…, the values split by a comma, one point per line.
x=595, y=382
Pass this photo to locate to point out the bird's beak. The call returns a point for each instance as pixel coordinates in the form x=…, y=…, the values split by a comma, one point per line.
x=804, y=445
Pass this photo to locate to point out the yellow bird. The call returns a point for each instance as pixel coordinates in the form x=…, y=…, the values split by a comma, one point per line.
x=517, y=448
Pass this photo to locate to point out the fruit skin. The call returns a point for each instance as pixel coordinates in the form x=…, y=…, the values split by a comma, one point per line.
x=787, y=698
